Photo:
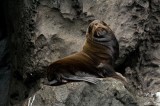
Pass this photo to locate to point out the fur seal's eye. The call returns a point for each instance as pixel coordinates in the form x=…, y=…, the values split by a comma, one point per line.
x=96, y=24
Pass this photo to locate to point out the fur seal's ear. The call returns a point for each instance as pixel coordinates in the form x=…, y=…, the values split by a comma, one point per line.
x=89, y=30
x=104, y=23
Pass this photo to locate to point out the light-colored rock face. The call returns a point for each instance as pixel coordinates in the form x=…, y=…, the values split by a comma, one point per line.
x=47, y=30
x=62, y=37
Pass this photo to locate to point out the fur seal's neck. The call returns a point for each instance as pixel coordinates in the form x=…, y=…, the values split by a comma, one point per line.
x=97, y=52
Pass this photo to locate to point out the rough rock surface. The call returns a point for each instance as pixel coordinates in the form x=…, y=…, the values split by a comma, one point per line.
x=46, y=30
x=107, y=92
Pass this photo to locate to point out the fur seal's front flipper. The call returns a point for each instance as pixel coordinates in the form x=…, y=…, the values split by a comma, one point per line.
x=50, y=83
x=53, y=83
x=91, y=80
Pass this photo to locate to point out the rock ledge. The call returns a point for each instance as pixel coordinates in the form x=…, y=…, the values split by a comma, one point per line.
x=107, y=92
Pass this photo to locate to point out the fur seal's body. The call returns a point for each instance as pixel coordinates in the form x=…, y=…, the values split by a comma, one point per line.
x=96, y=60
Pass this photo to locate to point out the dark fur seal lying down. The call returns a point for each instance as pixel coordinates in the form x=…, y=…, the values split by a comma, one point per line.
x=96, y=59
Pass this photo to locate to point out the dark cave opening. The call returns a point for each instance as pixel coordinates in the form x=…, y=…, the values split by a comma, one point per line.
x=130, y=60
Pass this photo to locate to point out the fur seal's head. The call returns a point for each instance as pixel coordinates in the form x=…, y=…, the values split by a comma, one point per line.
x=101, y=38
x=99, y=31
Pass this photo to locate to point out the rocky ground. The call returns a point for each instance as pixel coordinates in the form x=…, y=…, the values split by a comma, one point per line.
x=106, y=92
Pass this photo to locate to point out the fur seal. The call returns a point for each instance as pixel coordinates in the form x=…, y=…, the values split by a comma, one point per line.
x=95, y=60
